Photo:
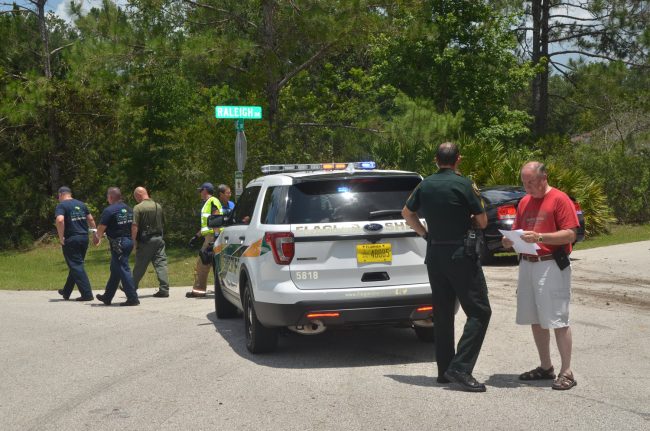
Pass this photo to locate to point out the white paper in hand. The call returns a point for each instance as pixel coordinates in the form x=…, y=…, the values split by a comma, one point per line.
x=520, y=245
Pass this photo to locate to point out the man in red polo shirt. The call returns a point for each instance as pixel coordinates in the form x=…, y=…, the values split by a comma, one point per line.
x=548, y=218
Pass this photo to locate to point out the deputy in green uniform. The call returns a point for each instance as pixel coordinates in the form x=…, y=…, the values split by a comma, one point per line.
x=147, y=235
x=451, y=206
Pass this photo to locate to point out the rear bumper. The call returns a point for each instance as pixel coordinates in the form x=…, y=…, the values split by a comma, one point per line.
x=357, y=312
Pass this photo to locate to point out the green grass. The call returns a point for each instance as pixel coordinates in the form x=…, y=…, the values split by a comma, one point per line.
x=619, y=234
x=44, y=268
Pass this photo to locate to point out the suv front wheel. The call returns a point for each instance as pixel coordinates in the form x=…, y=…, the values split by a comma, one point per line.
x=259, y=339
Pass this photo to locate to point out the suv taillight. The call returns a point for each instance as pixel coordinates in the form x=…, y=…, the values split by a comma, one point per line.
x=506, y=212
x=282, y=246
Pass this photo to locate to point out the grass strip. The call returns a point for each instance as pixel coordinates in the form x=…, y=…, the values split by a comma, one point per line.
x=618, y=234
x=43, y=268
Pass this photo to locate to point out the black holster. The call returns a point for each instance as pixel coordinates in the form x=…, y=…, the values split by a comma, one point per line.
x=207, y=254
x=472, y=243
x=561, y=258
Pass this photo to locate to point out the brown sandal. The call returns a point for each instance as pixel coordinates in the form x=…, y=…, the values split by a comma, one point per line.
x=194, y=295
x=538, y=373
x=564, y=382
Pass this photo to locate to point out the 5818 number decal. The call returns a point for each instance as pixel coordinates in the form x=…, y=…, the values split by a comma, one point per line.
x=306, y=275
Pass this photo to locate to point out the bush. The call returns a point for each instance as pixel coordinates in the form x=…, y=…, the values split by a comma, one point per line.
x=588, y=192
x=494, y=164
x=626, y=179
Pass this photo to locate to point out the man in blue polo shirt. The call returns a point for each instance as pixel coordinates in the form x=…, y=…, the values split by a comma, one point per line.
x=72, y=220
x=116, y=221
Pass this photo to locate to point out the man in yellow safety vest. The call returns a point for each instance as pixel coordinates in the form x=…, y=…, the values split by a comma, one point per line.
x=211, y=206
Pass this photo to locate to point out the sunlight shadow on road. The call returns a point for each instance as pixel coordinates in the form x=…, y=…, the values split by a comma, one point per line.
x=512, y=381
x=335, y=348
x=423, y=381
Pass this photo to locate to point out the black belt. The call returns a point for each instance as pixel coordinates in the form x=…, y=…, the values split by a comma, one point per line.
x=457, y=242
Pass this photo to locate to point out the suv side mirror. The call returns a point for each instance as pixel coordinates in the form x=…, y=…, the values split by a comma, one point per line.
x=218, y=220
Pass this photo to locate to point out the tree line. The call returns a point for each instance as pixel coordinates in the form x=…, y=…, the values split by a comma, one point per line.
x=124, y=95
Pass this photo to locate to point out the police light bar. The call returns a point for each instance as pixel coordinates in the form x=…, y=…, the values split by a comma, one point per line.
x=309, y=167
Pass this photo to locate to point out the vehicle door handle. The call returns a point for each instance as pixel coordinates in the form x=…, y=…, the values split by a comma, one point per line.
x=225, y=238
x=242, y=238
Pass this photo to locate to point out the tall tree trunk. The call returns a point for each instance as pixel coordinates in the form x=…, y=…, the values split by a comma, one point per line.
x=542, y=120
x=54, y=158
x=442, y=96
x=45, y=39
x=272, y=76
x=540, y=16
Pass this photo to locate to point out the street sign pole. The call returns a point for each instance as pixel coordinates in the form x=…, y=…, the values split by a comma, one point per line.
x=239, y=183
x=239, y=114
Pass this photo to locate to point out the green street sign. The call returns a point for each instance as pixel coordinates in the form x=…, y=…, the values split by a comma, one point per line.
x=238, y=112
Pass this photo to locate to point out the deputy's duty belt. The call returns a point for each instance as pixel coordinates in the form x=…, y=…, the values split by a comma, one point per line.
x=457, y=242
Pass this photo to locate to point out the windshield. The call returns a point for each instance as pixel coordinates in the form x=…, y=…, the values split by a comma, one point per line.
x=349, y=199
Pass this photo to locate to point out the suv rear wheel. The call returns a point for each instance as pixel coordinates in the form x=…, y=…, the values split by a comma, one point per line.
x=222, y=307
x=259, y=339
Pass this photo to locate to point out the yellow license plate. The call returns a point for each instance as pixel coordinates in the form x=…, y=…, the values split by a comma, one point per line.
x=372, y=253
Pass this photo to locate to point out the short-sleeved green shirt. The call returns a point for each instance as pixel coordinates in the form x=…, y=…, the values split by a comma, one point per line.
x=446, y=200
x=148, y=215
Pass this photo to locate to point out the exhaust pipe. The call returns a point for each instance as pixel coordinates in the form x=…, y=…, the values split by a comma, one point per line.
x=314, y=327
x=426, y=323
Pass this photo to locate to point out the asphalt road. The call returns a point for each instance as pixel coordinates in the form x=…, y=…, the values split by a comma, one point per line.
x=168, y=364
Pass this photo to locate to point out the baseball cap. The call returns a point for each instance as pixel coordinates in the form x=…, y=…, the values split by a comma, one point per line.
x=64, y=189
x=207, y=186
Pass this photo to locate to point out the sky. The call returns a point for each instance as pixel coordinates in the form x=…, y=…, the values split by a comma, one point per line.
x=61, y=6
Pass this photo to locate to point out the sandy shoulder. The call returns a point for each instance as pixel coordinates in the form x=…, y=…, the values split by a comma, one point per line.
x=616, y=275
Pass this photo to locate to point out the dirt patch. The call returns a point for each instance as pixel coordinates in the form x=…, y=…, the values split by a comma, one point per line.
x=603, y=277
x=610, y=298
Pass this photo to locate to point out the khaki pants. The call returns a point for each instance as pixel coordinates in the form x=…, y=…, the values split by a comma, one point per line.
x=201, y=271
x=151, y=251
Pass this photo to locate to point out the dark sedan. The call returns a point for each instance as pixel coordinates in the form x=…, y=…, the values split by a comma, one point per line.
x=501, y=206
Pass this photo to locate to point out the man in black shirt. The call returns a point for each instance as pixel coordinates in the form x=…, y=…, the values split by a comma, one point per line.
x=116, y=222
x=72, y=220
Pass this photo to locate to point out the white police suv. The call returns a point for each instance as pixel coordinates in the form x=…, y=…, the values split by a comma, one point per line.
x=317, y=245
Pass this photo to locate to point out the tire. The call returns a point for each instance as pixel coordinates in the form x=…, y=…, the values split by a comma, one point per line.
x=222, y=307
x=259, y=339
x=425, y=335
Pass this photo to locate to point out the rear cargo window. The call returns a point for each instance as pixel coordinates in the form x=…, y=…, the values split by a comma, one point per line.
x=349, y=199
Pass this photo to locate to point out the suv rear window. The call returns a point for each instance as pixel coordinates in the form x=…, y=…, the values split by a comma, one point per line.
x=349, y=199
x=502, y=195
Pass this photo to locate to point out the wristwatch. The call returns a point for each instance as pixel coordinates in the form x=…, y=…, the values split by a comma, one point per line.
x=540, y=238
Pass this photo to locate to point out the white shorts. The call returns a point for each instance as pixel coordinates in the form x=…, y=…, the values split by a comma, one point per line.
x=543, y=294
